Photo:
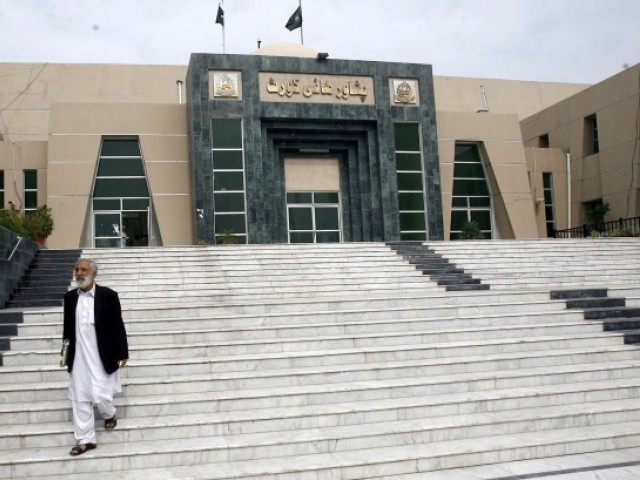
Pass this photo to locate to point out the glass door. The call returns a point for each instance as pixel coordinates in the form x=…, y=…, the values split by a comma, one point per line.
x=107, y=230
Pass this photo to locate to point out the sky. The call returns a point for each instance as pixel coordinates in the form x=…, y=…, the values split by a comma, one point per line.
x=577, y=41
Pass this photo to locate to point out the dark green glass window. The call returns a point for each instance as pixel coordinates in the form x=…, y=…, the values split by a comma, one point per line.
x=104, y=225
x=233, y=223
x=227, y=159
x=327, y=237
x=412, y=215
x=299, y=197
x=106, y=204
x=470, y=187
x=468, y=170
x=411, y=201
x=410, y=181
x=121, y=167
x=229, y=202
x=412, y=221
x=479, y=201
x=30, y=200
x=301, y=237
x=228, y=181
x=413, y=236
x=228, y=178
x=549, y=208
x=137, y=204
x=471, y=200
x=407, y=137
x=458, y=218
x=409, y=161
x=226, y=133
x=325, y=197
x=30, y=190
x=120, y=148
x=467, y=153
x=31, y=179
x=317, y=221
x=1, y=188
x=326, y=218
x=482, y=217
x=121, y=187
x=300, y=219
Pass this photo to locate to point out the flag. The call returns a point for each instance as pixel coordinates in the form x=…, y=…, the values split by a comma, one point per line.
x=295, y=21
x=220, y=16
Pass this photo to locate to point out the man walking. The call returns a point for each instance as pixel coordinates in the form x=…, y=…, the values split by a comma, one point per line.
x=97, y=349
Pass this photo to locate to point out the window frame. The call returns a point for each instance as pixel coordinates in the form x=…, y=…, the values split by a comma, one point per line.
x=469, y=208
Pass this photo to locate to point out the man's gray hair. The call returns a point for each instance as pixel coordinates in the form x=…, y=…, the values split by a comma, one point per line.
x=94, y=265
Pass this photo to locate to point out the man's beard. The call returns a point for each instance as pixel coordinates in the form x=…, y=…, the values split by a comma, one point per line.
x=84, y=282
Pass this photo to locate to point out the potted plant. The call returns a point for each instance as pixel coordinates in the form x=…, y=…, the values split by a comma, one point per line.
x=470, y=231
x=39, y=224
x=597, y=213
x=11, y=219
x=226, y=238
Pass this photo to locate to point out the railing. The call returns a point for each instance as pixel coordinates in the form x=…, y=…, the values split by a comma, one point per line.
x=18, y=240
x=16, y=253
x=623, y=227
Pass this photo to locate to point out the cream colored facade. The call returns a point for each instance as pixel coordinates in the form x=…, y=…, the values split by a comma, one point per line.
x=610, y=174
x=53, y=118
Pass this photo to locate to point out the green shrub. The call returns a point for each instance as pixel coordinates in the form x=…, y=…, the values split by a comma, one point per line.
x=470, y=231
x=34, y=225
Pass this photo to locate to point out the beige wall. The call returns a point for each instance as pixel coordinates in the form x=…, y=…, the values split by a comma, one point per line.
x=460, y=94
x=54, y=116
x=312, y=174
x=15, y=157
x=505, y=166
x=549, y=160
x=27, y=91
x=74, y=144
x=612, y=173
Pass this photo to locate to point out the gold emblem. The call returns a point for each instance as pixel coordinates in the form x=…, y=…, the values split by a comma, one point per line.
x=404, y=92
x=225, y=85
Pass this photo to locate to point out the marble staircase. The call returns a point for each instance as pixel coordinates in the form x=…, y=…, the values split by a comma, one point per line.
x=338, y=362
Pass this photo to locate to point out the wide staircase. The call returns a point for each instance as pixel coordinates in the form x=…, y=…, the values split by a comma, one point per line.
x=345, y=362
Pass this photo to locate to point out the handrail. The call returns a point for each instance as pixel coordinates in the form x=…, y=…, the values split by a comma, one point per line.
x=14, y=248
x=620, y=227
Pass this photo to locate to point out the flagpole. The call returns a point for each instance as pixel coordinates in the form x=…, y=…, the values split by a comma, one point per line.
x=223, y=42
x=301, y=37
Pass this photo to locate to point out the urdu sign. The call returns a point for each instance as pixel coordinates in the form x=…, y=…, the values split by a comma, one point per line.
x=309, y=88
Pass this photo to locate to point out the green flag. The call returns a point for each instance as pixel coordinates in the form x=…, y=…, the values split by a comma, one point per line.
x=220, y=16
x=295, y=21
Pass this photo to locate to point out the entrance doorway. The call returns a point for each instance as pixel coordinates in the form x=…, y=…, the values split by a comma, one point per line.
x=121, y=229
x=313, y=200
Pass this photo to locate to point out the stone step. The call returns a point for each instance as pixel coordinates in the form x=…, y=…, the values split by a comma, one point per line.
x=330, y=337
x=311, y=324
x=621, y=464
x=509, y=391
x=190, y=381
x=367, y=462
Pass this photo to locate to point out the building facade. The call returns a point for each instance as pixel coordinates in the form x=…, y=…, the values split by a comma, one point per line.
x=287, y=145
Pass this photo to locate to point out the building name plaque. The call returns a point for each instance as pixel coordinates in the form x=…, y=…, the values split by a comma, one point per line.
x=278, y=87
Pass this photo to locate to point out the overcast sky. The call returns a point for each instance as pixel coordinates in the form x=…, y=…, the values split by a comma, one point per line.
x=582, y=41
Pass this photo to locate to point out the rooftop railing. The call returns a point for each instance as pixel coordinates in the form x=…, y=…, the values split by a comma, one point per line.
x=623, y=227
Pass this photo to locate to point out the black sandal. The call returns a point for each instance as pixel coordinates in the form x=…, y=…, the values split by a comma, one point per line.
x=81, y=448
x=110, y=423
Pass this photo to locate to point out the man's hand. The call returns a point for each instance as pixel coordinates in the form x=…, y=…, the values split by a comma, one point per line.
x=122, y=363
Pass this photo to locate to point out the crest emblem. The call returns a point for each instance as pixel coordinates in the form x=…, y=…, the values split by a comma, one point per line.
x=226, y=85
x=404, y=92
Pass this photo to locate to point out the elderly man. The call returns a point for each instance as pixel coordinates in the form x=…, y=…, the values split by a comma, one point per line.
x=97, y=349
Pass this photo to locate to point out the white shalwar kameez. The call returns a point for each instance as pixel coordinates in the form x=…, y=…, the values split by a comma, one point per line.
x=89, y=383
